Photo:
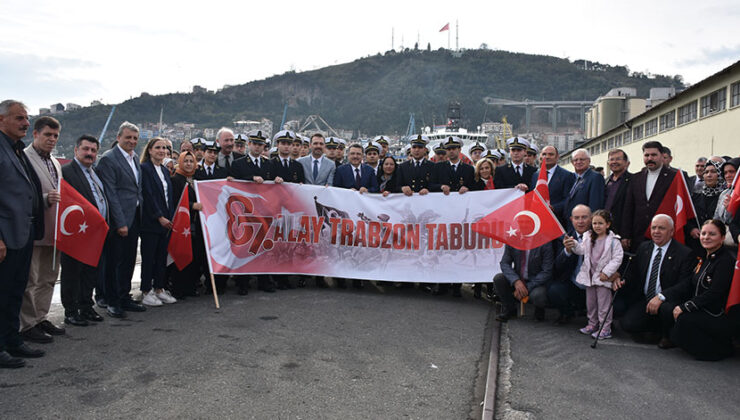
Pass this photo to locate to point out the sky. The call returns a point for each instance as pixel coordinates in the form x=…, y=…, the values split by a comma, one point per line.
x=79, y=50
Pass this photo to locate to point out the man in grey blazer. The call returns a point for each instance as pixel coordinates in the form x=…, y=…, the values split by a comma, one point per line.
x=317, y=168
x=524, y=274
x=21, y=222
x=44, y=271
x=120, y=172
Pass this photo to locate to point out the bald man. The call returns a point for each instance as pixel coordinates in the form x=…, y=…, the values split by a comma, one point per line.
x=658, y=264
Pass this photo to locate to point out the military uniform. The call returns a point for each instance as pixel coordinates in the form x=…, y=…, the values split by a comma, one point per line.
x=413, y=174
x=507, y=176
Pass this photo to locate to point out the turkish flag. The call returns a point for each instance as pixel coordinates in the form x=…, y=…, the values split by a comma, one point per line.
x=734, y=203
x=81, y=230
x=734, y=297
x=678, y=205
x=445, y=28
x=542, y=186
x=180, y=247
x=524, y=223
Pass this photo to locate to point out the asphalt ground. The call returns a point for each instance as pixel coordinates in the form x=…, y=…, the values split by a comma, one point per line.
x=551, y=372
x=297, y=354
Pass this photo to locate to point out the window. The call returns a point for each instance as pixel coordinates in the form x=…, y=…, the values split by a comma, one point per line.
x=687, y=113
x=668, y=120
x=651, y=127
x=610, y=143
x=618, y=140
x=735, y=94
x=627, y=137
x=714, y=102
x=637, y=132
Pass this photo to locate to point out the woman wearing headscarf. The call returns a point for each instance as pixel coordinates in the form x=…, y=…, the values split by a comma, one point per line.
x=185, y=282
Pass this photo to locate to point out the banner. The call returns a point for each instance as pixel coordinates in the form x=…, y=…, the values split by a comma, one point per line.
x=268, y=228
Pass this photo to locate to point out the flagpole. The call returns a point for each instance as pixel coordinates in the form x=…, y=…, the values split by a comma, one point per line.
x=688, y=194
x=547, y=206
x=208, y=250
x=56, y=228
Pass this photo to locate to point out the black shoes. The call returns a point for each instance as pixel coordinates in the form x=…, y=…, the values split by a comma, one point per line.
x=321, y=283
x=9, y=362
x=301, y=282
x=115, y=312
x=505, y=316
x=539, y=314
x=50, y=328
x=131, y=306
x=26, y=352
x=101, y=303
x=341, y=284
x=36, y=335
x=666, y=343
x=357, y=284
x=242, y=291
x=76, y=319
x=90, y=315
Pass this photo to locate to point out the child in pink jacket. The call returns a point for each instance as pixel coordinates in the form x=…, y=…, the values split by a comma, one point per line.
x=602, y=256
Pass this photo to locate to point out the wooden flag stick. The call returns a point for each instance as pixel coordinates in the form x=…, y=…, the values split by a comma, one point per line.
x=521, y=309
x=215, y=294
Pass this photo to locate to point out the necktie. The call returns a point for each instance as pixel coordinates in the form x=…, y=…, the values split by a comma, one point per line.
x=97, y=193
x=418, y=164
x=209, y=171
x=454, y=169
x=357, y=178
x=285, y=163
x=315, y=169
x=575, y=186
x=227, y=160
x=653, y=282
x=257, y=162
x=518, y=170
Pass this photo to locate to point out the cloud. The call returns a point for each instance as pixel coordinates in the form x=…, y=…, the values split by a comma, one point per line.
x=710, y=56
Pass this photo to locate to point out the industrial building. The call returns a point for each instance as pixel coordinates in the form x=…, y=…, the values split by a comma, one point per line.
x=703, y=120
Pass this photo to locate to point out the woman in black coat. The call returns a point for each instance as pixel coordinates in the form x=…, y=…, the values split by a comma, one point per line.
x=185, y=282
x=697, y=305
x=387, y=176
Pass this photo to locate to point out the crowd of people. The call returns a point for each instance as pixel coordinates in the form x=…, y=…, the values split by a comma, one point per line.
x=668, y=293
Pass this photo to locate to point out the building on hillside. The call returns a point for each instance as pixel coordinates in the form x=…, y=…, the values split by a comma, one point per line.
x=612, y=109
x=44, y=111
x=96, y=103
x=245, y=126
x=71, y=107
x=57, y=108
x=703, y=120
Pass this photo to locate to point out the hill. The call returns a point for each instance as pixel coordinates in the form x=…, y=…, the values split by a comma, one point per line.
x=375, y=94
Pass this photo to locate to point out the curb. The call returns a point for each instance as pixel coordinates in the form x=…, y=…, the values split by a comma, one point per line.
x=489, y=402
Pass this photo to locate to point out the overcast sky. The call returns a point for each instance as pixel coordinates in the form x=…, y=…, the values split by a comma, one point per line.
x=79, y=50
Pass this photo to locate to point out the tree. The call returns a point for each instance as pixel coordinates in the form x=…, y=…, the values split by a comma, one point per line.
x=429, y=46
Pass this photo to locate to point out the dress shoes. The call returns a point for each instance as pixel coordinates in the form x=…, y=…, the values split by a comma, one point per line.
x=90, y=315
x=242, y=291
x=101, y=303
x=341, y=284
x=321, y=283
x=505, y=316
x=357, y=284
x=539, y=314
x=131, y=306
x=665, y=343
x=477, y=292
x=9, y=362
x=36, y=335
x=26, y=352
x=301, y=282
x=49, y=328
x=115, y=312
x=76, y=319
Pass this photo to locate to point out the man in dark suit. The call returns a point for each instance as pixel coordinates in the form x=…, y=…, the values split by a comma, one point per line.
x=588, y=187
x=415, y=174
x=356, y=176
x=517, y=281
x=21, y=222
x=659, y=264
x=210, y=169
x=559, y=180
x=227, y=156
x=285, y=167
x=616, y=186
x=78, y=279
x=516, y=174
x=120, y=172
x=696, y=182
x=644, y=194
x=257, y=168
x=564, y=292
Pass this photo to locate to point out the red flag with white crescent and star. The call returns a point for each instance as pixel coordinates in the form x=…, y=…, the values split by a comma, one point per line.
x=678, y=205
x=180, y=247
x=734, y=296
x=542, y=186
x=734, y=203
x=81, y=229
x=524, y=223
x=445, y=28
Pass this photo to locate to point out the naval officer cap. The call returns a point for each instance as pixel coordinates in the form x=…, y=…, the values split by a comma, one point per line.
x=452, y=142
x=372, y=147
x=284, y=136
x=332, y=143
x=518, y=143
x=199, y=143
x=240, y=138
x=299, y=139
x=382, y=140
x=342, y=143
x=439, y=149
x=273, y=152
x=419, y=140
x=502, y=152
x=407, y=149
x=492, y=154
x=257, y=136
x=477, y=146
x=211, y=145
x=533, y=149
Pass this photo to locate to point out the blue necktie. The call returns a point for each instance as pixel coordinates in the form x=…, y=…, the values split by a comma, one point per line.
x=315, y=169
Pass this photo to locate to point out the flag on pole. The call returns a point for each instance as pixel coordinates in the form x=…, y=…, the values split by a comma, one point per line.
x=678, y=205
x=180, y=248
x=542, y=186
x=734, y=297
x=524, y=223
x=734, y=203
x=445, y=28
x=81, y=230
